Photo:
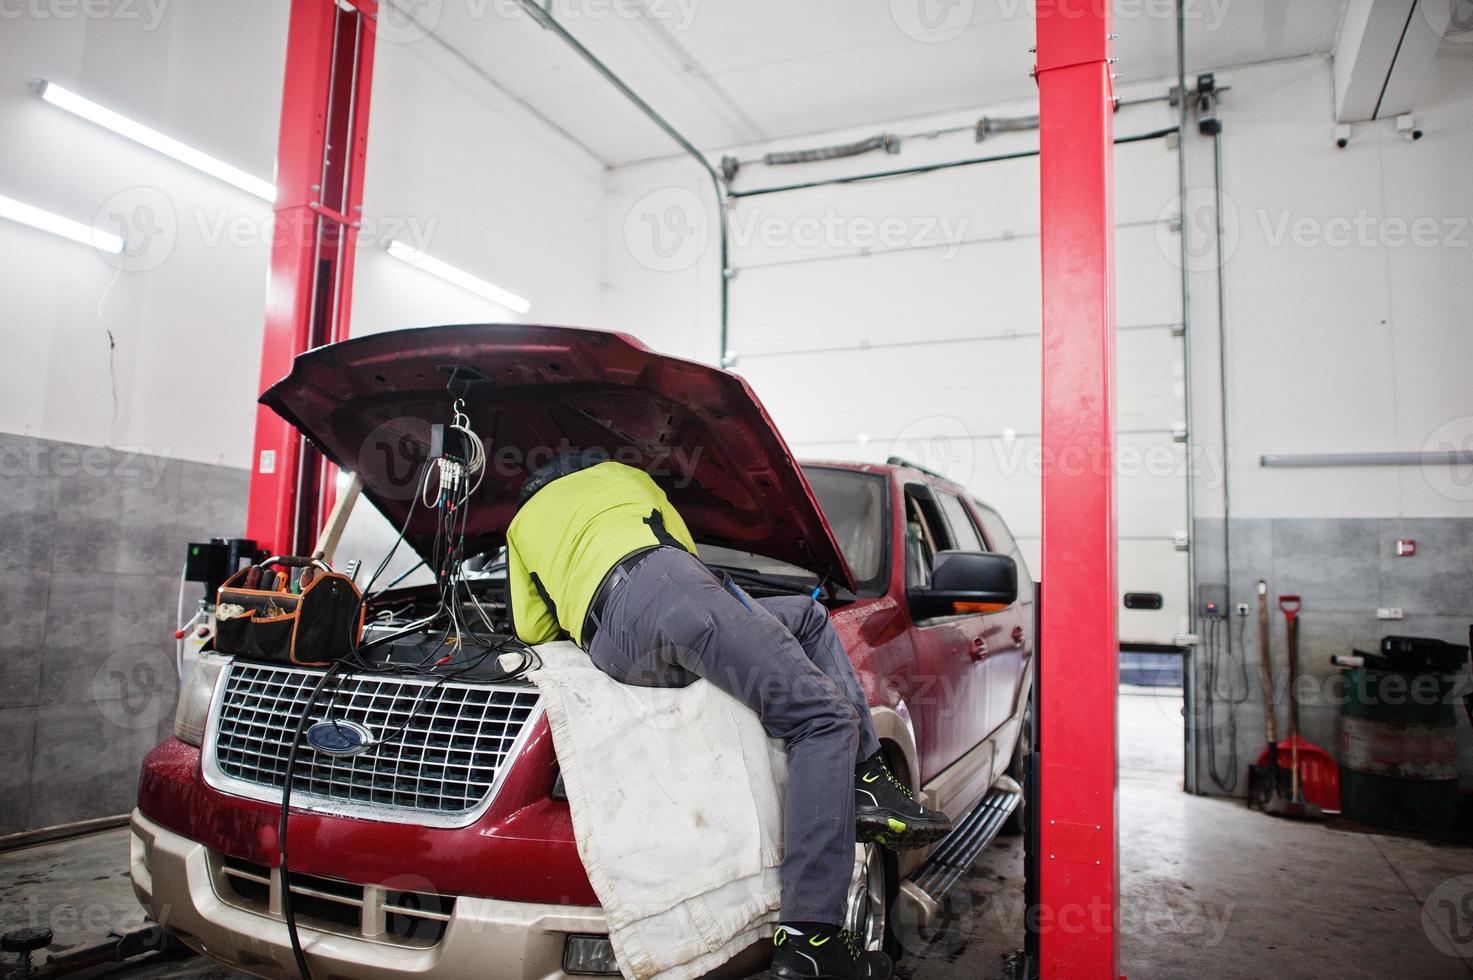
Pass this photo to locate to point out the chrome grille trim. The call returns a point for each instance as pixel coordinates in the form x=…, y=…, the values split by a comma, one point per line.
x=442, y=770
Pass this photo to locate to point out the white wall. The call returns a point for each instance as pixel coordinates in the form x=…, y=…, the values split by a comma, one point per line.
x=1332, y=348
x=453, y=166
x=183, y=309
x=1339, y=340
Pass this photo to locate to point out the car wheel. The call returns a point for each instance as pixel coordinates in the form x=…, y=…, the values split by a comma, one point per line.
x=1017, y=821
x=872, y=892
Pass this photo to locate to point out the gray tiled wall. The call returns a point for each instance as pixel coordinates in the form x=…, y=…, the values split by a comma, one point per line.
x=1344, y=569
x=91, y=544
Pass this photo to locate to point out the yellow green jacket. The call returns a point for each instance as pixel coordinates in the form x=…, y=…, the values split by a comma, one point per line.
x=565, y=539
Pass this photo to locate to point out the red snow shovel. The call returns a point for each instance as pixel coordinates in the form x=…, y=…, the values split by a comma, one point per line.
x=1315, y=779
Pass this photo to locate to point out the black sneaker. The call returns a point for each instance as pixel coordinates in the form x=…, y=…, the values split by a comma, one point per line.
x=886, y=813
x=818, y=952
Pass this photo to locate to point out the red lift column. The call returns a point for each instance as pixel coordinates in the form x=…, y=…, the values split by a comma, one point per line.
x=319, y=195
x=1079, y=673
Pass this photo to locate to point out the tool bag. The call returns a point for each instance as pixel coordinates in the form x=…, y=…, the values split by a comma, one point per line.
x=312, y=628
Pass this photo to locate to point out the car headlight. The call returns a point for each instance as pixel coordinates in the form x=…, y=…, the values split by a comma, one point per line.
x=194, y=701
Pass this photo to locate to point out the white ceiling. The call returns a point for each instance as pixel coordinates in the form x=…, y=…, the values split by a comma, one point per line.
x=745, y=71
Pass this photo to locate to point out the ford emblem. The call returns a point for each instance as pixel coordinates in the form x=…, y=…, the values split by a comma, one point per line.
x=339, y=738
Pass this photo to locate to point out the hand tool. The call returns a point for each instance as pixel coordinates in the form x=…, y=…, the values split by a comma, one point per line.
x=1266, y=782
x=1314, y=777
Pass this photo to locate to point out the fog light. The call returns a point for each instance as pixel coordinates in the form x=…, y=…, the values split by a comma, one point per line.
x=589, y=956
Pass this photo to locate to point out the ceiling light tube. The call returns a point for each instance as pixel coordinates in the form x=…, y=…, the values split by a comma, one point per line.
x=57, y=225
x=137, y=132
x=464, y=280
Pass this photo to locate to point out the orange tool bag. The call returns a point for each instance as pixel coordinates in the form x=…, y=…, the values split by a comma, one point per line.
x=260, y=617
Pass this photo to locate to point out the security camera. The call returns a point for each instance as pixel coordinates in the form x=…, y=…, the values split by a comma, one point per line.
x=1342, y=135
x=1407, y=127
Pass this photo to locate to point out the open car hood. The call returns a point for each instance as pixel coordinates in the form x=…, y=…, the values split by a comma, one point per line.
x=533, y=391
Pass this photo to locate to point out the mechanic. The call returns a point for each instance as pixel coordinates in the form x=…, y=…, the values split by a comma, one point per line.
x=597, y=552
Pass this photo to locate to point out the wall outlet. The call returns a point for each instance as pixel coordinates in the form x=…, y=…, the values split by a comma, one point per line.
x=1241, y=608
x=1393, y=613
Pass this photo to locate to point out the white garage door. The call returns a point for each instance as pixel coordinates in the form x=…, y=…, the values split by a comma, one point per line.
x=901, y=317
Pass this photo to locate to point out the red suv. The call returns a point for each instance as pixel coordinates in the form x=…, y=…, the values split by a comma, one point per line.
x=452, y=852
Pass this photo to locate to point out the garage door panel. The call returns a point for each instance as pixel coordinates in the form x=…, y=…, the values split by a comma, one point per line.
x=1145, y=181
x=913, y=296
x=935, y=356
x=991, y=289
x=1152, y=566
x=884, y=393
x=1147, y=281
x=1149, y=386
x=946, y=205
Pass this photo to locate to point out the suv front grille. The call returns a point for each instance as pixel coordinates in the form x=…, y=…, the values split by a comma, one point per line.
x=438, y=746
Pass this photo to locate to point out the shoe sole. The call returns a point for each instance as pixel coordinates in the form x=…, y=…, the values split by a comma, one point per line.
x=883, y=970
x=886, y=827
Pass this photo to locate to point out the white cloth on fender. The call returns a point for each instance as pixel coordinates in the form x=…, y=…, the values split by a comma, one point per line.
x=676, y=796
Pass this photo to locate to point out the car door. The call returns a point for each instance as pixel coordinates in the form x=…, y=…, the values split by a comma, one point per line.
x=1002, y=635
x=949, y=689
x=1007, y=666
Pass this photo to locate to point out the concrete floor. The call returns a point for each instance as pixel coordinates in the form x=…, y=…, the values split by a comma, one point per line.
x=1210, y=889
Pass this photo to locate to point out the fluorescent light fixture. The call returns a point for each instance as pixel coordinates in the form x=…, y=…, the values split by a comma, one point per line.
x=464, y=280
x=154, y=140
x=57, y=225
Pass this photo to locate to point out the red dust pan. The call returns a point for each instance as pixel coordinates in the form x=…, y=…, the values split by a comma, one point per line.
x=1314, y=777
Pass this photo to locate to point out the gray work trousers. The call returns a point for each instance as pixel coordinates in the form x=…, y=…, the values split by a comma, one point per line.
x=672, y=620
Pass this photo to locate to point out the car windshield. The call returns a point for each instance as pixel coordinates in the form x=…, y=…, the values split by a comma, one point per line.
x=854, y=505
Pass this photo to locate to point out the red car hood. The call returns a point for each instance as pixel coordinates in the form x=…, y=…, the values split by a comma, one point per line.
x=532, y=391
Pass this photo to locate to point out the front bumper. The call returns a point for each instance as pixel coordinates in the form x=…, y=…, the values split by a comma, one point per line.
x=178, y=881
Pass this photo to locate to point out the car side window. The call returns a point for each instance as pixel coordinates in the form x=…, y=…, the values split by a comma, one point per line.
x=1002, y=539
x=924, y=535
x=963, y=531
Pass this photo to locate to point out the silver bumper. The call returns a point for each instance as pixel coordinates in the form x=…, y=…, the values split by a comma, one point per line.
x=175, y=881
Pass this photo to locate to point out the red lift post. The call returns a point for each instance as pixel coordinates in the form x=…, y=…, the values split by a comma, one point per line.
x=1079, y=671
x=319, y=196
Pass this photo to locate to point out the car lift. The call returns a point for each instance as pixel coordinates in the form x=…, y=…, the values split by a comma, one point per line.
x=319, y=197
x=320, y=161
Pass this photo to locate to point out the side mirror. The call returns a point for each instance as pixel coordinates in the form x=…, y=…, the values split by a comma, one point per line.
x=966, y=582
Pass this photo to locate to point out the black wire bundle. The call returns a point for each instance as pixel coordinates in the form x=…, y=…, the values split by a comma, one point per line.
x=451, y=503
x=1217, y=657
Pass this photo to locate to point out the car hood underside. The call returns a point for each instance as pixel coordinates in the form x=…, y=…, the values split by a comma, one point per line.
x=532, y=391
